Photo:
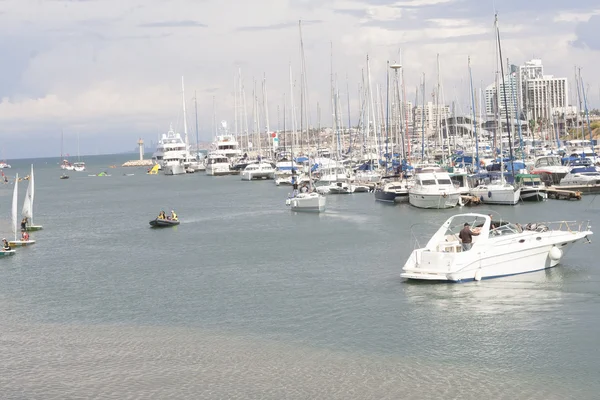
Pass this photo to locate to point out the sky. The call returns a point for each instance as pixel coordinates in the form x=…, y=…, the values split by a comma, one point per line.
x=109, y=72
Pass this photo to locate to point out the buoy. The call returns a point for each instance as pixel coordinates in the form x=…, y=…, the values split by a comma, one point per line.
x=555, y=253
x=478, y=275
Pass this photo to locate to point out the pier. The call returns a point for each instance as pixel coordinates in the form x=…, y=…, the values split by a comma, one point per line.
x=138, y=163
x=560, y=194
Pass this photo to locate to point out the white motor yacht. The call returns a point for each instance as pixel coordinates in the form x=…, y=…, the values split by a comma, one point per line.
x=550, y=169
x=433, y=190
x=581, y=176
x=226, y=145
x=217, y=164
x=79, y=166
x=499, y=249
x=259, y=170
x=336, y=188
x=172, y=153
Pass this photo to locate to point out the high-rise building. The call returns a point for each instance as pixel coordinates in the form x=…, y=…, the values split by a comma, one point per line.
x=507, y=98
x=431, y=114
x=541, y=96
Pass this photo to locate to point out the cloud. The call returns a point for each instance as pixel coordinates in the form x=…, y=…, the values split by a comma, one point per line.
x=278, y=26
x=173, y=24
x=112, y=69
x=587, y=34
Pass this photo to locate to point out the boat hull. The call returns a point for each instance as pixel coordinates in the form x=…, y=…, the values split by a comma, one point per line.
x=311, y=202
x=385, y=196
x=249, y=176
x=21, y=243
x=163, y=223
x=436, y=201
x=33, y=228
x=4, y=253
x=533, y=195
x=498, y=196
x=176, y=169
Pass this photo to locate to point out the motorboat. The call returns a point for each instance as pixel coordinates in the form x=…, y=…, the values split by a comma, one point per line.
x=64, y=176
x=174, y=167
x=502, y=193
x=259, y=170
x=550, y=169
x=433, y=190
x=307, y=202
x=79, y=166
x=336, y=188
x=217, y=164
x=499, y=249
x=163, y=222
x=532, y=187
x=3, y=165
x=7, y=253
x=392, y=192
x=581, y=176
x=66, y=165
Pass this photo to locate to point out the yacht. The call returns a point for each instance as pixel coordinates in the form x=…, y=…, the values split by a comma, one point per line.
x=226, y=145
x=550, y=169
x=307, y=202
x=500, y=248
x=259, y=170
x=336, y=188
x=532, y=187
x=393, y=192
x=66, y=165
x=79, y=166
x=584, y=175
x=172, y=153
x=217, y=165
x=3, y=165
x=499, y=192
x=433, y=190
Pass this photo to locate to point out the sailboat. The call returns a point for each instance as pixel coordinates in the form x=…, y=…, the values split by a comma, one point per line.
x=15, y=222
x=311, y=200
x=79, y=166
x=28, y=205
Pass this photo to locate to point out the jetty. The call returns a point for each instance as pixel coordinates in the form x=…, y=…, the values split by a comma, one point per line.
x=138, y=163
x=141, y=162
x=560, y=194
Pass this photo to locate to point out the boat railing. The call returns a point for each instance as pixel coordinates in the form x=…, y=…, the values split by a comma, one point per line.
x=421, y=234
x=568, y=226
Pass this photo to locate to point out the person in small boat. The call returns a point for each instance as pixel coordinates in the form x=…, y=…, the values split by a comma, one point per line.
x=466, y=236
x=25, y=236
x=5, y=245
x=173, y=216
x=162, y=215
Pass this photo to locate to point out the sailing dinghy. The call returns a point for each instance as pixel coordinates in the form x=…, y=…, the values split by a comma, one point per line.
x=28, y=205
x=15, y=222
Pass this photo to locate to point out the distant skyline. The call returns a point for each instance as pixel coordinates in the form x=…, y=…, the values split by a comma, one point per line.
x=111, y=70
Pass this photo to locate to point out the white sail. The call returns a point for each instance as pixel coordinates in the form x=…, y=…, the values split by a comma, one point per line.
x=14, y=206
x=28, y=203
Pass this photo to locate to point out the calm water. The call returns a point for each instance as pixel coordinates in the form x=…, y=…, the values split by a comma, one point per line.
x=247, y=300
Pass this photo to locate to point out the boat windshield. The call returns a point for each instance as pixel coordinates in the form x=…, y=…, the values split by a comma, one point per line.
x=505, y=229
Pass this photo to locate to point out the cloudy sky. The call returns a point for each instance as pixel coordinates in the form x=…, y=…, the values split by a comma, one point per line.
x=111, y=70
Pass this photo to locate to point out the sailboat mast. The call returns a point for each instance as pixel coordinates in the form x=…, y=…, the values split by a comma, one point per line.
x=196, y=116
x=510, y=149
x=474, y=119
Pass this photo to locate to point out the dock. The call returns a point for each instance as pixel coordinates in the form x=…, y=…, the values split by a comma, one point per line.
x=560, y=194
x=138, y=163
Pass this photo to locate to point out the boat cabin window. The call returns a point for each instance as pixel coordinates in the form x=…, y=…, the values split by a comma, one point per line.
x=428, y=182
x=444, y=182
x=505, y=229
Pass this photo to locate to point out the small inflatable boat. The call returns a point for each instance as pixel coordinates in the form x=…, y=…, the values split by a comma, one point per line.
x=160, y=223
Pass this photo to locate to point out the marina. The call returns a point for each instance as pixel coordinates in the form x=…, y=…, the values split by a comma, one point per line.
x=385, y=200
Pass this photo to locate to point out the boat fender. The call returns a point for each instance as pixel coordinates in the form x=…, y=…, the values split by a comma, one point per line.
x=477, y=276
x=490, y=194
x=460, y=201
x=555, y=253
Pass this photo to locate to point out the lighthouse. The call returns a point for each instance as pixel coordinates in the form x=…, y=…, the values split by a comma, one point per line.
x=141, y=145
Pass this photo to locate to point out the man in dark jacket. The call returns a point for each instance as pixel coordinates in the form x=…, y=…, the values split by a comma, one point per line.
x=466, y=237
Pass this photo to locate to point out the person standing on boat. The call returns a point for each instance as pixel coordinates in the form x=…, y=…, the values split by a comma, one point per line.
x=24, y=223
x=5, y=245
x=466, y=236
x=294, y=183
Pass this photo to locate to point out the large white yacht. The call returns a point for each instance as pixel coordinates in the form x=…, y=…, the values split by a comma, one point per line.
x=226, y=145
x=172, y=153
x=499, y=248
x=581, y=176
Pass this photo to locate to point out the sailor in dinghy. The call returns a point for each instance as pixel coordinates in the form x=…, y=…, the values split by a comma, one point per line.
x=163, y=220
